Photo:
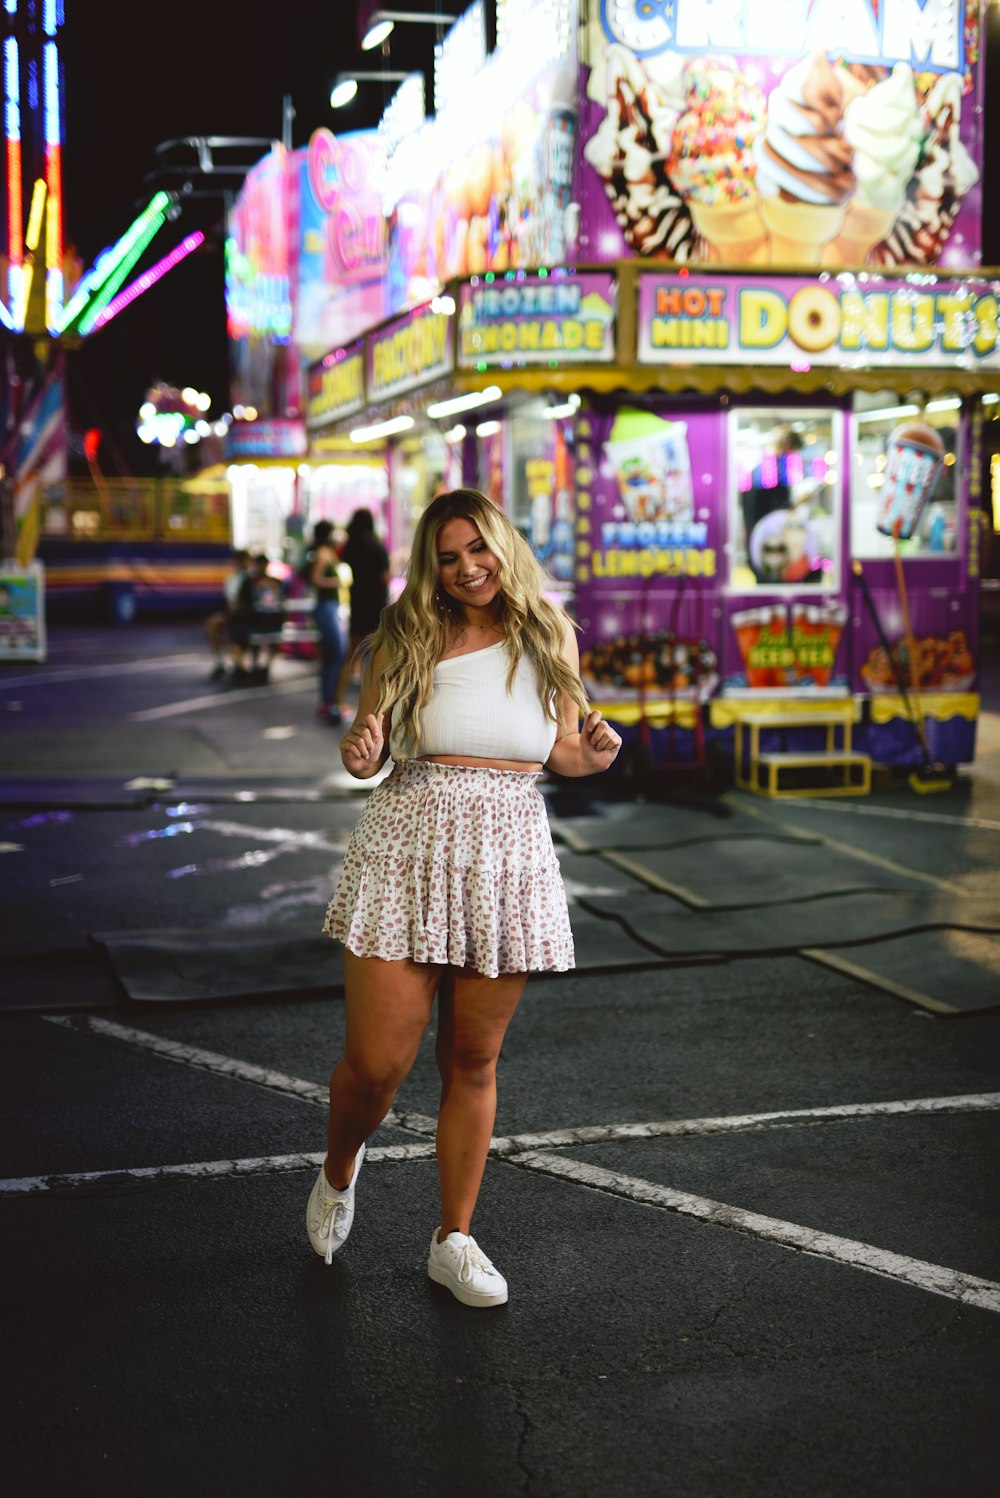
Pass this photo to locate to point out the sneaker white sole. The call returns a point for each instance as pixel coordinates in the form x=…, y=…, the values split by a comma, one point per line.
x=318, y=1243
x=463, y=1293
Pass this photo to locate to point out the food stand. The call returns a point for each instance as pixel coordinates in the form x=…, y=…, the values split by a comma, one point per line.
x=707, y=318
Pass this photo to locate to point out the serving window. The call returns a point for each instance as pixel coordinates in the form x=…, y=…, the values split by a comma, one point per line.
x=784, y=486
x=903, y=466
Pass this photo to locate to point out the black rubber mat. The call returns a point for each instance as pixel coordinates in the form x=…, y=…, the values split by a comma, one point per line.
x=953, y=969
x=166, y=966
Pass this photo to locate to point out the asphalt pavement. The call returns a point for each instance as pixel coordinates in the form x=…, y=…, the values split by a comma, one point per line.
x=743, y=1179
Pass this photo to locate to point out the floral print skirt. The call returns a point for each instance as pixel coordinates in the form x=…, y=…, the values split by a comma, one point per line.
x=455, y=865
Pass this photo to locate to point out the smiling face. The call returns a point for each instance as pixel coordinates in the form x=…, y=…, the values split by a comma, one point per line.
x=467, y=570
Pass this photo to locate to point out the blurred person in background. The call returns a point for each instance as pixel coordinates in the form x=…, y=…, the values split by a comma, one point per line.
x=369, y=563
x=260, y=614
x=324, y=577
x=219, y=626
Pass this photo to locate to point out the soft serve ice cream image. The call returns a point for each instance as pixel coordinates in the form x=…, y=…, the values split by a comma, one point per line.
x=884, y=129
x=805, y=172
x=643, y=102
x=945, y=174
x=711, y=160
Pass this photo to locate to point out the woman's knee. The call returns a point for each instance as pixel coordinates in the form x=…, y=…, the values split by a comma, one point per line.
x=468, y=1065
x=374, y=1076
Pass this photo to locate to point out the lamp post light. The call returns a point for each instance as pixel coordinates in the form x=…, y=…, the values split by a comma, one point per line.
x=345, y=85
x=382, y=22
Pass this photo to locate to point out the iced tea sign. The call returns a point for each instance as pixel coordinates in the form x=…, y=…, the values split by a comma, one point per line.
x=793, y=646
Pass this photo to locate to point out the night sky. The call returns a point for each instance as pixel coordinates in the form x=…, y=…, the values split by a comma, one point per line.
x=205, y=69
x=195, y=69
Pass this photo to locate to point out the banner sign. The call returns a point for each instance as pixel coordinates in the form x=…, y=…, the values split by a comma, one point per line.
x=22, y=612
x=646, y=511
x=843, y=321
x=783, y=132
x=409, y=352
x=486, y=185
x=522, y=319
x=273, y=437
x=340, y=258
x=335, y=387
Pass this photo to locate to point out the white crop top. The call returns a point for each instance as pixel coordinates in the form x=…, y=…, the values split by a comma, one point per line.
x=472, y=714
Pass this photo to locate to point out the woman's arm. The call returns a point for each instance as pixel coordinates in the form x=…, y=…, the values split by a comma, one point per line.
x=595, y=747
x=364, y=749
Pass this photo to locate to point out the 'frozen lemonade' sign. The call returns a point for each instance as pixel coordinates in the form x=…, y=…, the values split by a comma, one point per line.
x=535, y=320
x=336, y=388
x=927, y=35
x=408, y=353
x=836, y=320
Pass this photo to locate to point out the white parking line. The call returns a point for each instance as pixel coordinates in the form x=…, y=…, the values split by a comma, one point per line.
x=189, y=1055
x=681, y=1128
x=906, y=816
x=421, y=1123
x=935, y=1278
x=216, y=699
x=225, y=1066
x=92, y=673
x=529, y=1151
x=202, y=1170
x=521, y=1146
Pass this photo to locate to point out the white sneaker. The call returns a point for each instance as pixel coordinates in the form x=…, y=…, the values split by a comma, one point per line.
x=330, y=1213
x=460, y=1264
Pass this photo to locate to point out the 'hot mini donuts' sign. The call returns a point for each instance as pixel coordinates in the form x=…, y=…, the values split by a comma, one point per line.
x=845, y=321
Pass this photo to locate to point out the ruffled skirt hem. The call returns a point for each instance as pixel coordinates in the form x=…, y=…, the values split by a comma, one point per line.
x=454, y=865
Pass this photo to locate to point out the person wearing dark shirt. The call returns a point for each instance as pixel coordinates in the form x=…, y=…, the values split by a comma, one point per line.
x=260, y=610
x=369, y=563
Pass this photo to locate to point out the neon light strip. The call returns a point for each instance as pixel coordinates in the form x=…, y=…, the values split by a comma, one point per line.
x=53, y=177
x=19, y=311
x=50, y=17
x=95, y=278
x=149, y=278
x=34, y=230
x=111, y=285
x=12, y=129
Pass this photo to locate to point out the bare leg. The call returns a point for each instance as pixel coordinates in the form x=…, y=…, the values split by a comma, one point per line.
x=215, y=628
x=473, y=1015
x=388, y=1006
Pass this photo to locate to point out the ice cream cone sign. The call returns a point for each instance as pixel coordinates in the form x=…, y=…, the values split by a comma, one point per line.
x=884, y=129
x=805, y=174
x=711, y=161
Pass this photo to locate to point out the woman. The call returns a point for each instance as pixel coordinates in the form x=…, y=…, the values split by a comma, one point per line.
x=325, y=578
x=369, y=563
x=451, y=884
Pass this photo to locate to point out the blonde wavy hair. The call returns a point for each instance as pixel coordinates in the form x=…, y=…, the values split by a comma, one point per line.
x=414, y=631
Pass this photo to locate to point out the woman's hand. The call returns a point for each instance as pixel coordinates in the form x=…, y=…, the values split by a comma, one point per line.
x=599, y=744
x=363, y=748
